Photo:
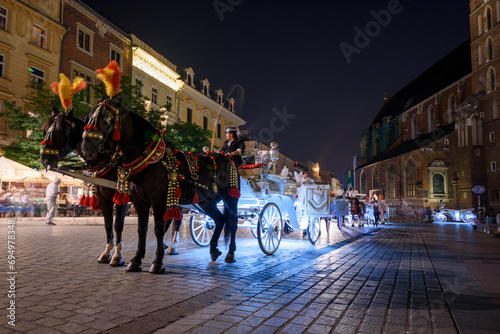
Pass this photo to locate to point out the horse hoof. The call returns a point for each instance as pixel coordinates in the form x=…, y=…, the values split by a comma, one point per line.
x=104, y=258
x=117, y=262
x=172, y=251
x=156, y=269
x=215, y=255
x=230, y=258
x=134, y=267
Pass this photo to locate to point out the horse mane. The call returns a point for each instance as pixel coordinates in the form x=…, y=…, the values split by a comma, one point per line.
x=48, y=123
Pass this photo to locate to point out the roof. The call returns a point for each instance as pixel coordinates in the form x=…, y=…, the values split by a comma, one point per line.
x=448, y=70
x=412, y=145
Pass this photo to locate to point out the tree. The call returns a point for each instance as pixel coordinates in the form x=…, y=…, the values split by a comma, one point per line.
x=188, y=137
x=30, y=119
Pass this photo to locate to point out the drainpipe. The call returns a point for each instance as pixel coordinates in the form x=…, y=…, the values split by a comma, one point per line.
x=68, y=29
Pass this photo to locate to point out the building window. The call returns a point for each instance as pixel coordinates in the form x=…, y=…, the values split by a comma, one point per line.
x=491, y=79
x=414, y=128
x=489, y=22
x=189, y=80
x=39, y=37
x=493, y=166
x=410, y=178
x=492, y=137
x=205, y=122
x=452, y=106
x=362, y=183
x=3, y=18
x=169, y=102
x=479, y=24
x=479, y=55
x=86, y=92
x=2, y=66
x=154, y=95
x=489, y=49
x=376, y=179
x=219, y=130
x=189, y=115
x=37, y=75
x=116, y=56
x=438, y=184
x=138, y=85
x=83, y=41
x=430, y=119
x=391, y=181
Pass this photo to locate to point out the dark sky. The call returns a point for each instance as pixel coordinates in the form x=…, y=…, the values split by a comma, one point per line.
x=286, y=56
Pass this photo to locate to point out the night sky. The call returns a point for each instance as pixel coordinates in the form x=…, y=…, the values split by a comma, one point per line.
x=287, y=57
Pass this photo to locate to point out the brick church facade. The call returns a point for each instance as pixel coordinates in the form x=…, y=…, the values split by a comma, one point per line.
x=436, y=139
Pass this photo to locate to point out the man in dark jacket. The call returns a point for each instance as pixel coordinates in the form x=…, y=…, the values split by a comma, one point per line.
x=234, y=146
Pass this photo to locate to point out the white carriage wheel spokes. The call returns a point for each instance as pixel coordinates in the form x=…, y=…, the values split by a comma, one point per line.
x=270, y=228
x=314, y=229
x=202, y=230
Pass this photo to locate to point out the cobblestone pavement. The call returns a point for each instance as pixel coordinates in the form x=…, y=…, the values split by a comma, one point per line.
x=411, y=278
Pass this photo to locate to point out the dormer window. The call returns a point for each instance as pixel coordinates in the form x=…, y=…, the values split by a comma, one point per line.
x=219, y=96
x=189, y=76
x=205, y=89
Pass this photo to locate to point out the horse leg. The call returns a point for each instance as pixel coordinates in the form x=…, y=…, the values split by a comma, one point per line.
x=107, y=212
x=231, y=226
x=218, y=218
x=142, y=210
x=172, y=250
x=117, y=259
x=157, y=266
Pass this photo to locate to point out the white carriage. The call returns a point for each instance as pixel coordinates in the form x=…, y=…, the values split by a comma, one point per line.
x=269, y=201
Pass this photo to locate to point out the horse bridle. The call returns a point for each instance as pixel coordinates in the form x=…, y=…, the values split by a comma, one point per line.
x=93, y=132
x=48, y=137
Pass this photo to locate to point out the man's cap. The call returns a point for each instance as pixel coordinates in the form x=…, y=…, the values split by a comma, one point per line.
x=231, y=129
x=57, y=180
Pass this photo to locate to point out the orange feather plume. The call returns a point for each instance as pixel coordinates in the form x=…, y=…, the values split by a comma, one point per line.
x=111, y=78
x=65, y=89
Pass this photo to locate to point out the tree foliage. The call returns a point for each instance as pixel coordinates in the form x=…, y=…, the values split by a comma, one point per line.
x=188, y=137
x=30, y=119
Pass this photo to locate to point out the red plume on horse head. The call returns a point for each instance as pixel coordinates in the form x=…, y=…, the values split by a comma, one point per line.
x=110, y=75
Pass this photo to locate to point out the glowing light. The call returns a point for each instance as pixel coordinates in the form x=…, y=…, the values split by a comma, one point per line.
x=152, y=66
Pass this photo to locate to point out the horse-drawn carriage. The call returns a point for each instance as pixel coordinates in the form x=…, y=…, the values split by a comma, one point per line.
x=271, y=203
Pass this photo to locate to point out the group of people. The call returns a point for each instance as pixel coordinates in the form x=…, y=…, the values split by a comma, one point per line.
x=360, y=209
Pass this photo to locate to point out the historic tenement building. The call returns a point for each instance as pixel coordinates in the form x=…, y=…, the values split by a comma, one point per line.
x=435, y=139
x=31, y=35
x=91, y=43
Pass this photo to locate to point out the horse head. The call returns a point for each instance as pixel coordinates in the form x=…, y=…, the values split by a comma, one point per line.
x=62, y=135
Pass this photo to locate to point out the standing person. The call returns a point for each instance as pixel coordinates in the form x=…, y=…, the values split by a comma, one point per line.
x=234, y=146
x=50, y=194
x=376, y=212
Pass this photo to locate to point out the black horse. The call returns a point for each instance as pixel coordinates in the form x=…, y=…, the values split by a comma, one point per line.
x=169, y=178
x=63, y=135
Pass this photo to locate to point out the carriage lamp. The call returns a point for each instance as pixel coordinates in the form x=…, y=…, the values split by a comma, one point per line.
x=273, y=152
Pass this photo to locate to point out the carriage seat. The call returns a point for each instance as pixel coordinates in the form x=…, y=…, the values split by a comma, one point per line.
x=250, y=170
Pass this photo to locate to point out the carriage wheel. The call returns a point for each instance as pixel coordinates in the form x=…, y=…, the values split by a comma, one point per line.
x=340, y=222
x=269, y=228
x=440, y=218
x=202, y=229
x=314, y=229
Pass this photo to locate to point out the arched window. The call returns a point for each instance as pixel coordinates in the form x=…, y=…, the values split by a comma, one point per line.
x=491, y=79
x=376, y=178
x=438, y=183
x=414, y=127
x=489, y=49
x=430, y=119
x=362, y=182
x=489, y=19
x=391, y=181
x=479, y=24
x=479, y=56
x=495, y=109
x=410, y=178
x=452, y=105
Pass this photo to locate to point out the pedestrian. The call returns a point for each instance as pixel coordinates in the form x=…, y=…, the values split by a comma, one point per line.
x=376, y=212
x=50, y=195
x=234, y=146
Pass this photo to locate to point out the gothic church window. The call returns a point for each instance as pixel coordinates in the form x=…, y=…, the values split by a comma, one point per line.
x=489, y=49
x=410, y=178
x=363, y=182
x=391, y=181
x=438, y=184
x=491, y=79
